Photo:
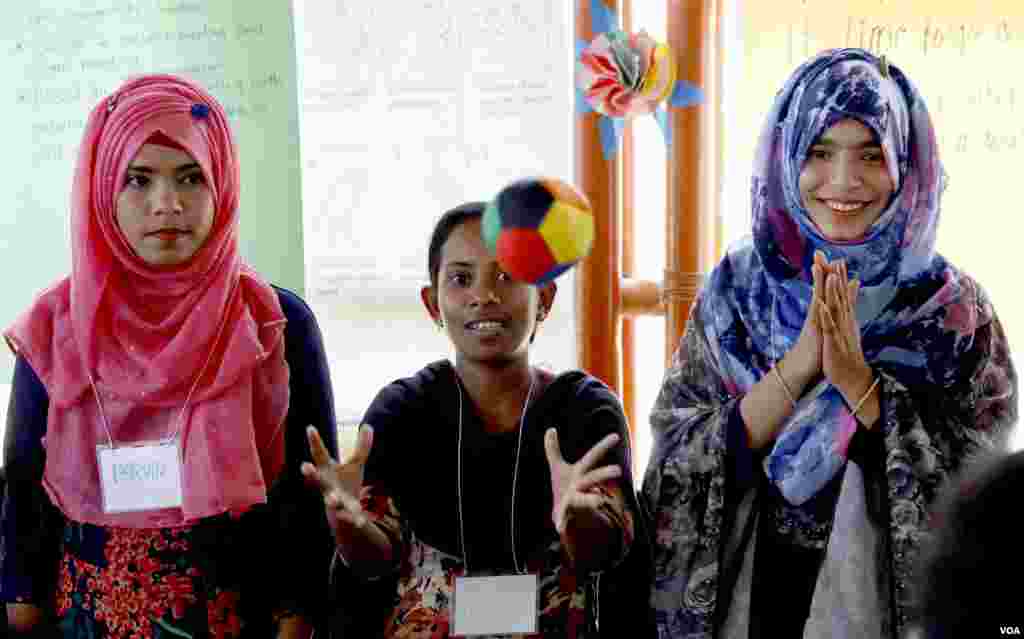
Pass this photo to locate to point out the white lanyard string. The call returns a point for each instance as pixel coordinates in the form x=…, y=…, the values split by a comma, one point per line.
x=515, y=477
x=188, y=398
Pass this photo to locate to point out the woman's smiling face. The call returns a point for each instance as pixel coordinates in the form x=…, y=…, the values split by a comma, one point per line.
x=488, y=315
x=845, y=184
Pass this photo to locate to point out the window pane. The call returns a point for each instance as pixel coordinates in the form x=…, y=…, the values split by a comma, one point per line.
x=650, y=161
x=410, y=108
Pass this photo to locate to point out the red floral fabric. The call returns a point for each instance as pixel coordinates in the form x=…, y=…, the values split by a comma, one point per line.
x=142, y=587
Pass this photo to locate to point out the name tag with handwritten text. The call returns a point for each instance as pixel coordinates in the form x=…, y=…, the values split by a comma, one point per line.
x=500, y=605
x=140, y=477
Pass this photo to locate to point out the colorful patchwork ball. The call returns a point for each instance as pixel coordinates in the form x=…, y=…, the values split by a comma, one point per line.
x=538, y=228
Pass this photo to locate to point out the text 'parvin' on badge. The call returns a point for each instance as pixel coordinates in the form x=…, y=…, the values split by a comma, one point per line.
x=140, y=477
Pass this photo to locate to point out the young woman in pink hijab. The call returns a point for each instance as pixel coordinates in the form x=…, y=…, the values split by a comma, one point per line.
x=160, y=399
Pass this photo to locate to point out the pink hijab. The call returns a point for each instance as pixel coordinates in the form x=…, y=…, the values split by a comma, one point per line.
x=144, y=334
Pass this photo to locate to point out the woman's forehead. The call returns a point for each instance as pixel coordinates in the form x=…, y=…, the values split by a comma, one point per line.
x=466, y=245
x=155, y=155
x=848, y=133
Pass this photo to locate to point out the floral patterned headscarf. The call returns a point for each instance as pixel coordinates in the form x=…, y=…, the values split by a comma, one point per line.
x=915, y=316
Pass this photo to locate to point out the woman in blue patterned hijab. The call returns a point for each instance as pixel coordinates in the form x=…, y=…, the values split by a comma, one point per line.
x=835, y=370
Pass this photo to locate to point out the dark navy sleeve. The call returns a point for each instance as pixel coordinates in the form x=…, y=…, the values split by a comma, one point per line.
x=867, y=449
x=740, y=459
x=312, y=397
x=29, y=525
x=300, y=545
x=385, y=414
x=625, y=580
x=359, y=606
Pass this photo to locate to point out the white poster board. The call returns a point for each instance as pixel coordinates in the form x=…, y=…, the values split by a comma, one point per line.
x=60, y=57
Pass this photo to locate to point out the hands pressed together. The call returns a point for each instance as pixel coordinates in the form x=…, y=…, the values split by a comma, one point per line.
x=830, y=341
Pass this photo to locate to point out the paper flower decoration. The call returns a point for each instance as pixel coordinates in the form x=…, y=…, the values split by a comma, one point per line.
x=623, y=75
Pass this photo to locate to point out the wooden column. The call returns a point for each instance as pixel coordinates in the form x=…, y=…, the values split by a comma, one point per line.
x=597, y=296
x=607, y=294
x=628, y=165
x=685, y=221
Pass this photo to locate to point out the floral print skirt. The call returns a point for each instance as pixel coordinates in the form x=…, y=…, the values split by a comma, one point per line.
x=124, y=583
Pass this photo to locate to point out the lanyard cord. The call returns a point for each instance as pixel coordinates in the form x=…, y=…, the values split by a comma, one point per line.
x=188, y=398
x=515, y=477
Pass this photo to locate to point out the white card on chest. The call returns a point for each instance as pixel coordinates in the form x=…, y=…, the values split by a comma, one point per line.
x=495, y=606
x=140, y=477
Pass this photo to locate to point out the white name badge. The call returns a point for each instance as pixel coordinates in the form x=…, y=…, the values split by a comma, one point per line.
x=140, y=477
x=500, y=605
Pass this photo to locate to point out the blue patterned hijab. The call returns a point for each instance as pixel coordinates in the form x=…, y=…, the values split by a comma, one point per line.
x=915, y=317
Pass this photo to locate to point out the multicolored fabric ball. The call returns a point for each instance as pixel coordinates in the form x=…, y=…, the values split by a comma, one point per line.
x=538, y=228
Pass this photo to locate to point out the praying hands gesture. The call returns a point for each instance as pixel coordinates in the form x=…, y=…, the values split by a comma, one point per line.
x=829, y=344
x=578, y=502
x=842, y=357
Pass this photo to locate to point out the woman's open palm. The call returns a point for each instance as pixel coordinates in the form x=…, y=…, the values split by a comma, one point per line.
x=572, y=484
x=340, y=483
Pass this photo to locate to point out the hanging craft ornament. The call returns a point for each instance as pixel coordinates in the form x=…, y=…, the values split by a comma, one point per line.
x=624, y=75
x=621, y=75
